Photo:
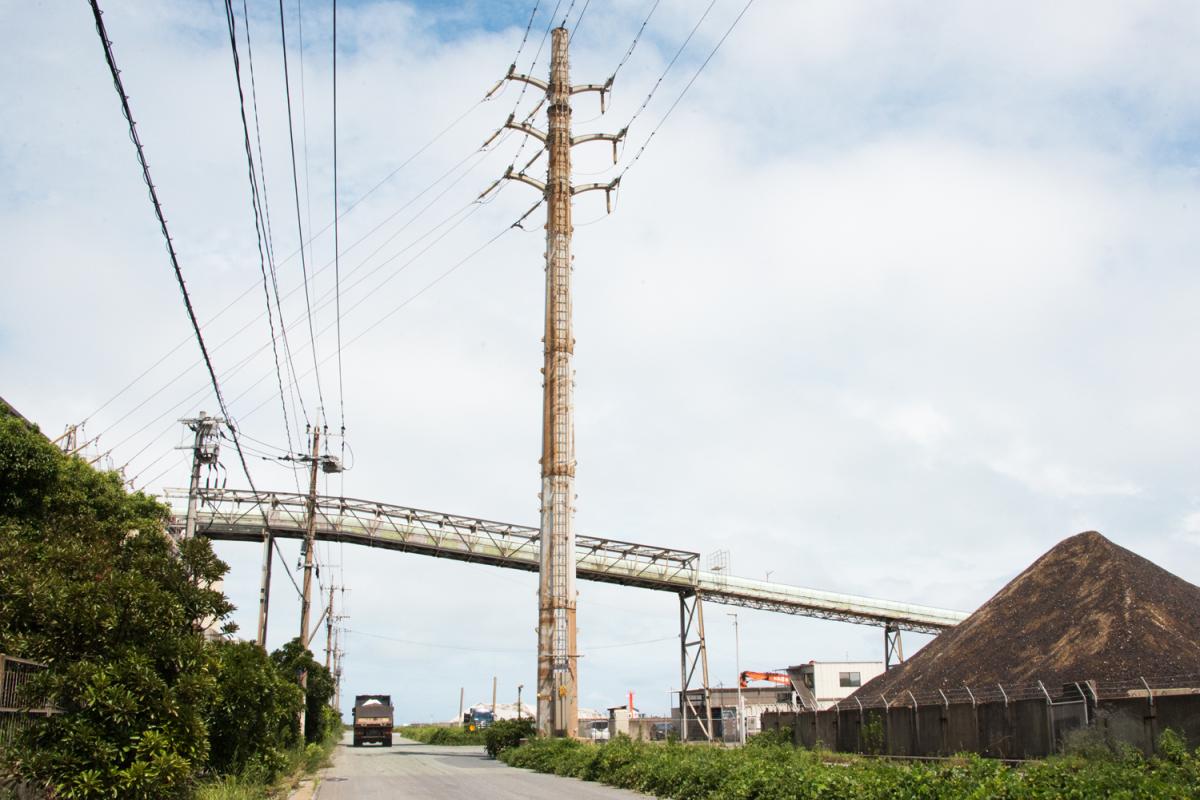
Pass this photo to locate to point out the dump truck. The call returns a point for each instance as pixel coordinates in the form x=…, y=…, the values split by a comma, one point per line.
x=373, y=719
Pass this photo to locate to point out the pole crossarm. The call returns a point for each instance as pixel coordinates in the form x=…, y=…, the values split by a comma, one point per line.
x=240, y=515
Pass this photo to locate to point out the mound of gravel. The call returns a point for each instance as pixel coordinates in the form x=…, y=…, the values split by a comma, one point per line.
x=1086, y=610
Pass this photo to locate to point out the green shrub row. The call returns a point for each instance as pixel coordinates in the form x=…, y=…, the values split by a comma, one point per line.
x=441, y=734
x=779, y=772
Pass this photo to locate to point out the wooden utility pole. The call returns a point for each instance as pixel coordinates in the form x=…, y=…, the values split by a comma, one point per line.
x=310, y=536
x=557, y=674
x=329, y=629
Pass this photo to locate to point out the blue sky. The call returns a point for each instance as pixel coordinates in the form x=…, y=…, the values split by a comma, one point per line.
x=899, y=296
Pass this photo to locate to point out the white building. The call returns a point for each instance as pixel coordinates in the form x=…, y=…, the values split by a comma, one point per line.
x=820, y=684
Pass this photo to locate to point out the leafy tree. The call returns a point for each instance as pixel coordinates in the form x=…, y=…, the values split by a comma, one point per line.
x=252, y=720
x=292, y=659
x=93, y=587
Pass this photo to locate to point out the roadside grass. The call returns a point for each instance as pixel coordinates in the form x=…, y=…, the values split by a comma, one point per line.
x=442, y=735
x=773, y=771
x=298, y=763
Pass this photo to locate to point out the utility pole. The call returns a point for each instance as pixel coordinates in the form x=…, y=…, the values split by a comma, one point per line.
x=206, y=447
x=737, y=655
x=329, y=629
x=557, y=675
x=264, y=589
x=337, y=670
x=493, y=697
x=309, y=540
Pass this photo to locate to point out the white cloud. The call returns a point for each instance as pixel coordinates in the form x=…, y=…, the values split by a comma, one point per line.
x=898, y=297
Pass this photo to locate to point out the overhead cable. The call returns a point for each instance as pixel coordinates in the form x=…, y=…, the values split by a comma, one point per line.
x=296, y=189
x=259, y=224
x=296, y=397
x=337, y=264
x=158, y=212
x=665, y=116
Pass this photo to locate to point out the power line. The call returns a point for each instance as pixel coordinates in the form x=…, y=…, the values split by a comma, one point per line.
x=162, y=222
x=579, y=19
x=354, y=205
x=671, y=63
x=570, y=8
x=662, y=121
x=637, y=38
x=259, y=225
x=296, y=188
x=445, y=274
x=337, y=268
x=474, y=206
x=235, y=336
x=296, y=397
x=322, y=302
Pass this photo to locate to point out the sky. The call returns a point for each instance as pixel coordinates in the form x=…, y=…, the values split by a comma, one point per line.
x=898, y=296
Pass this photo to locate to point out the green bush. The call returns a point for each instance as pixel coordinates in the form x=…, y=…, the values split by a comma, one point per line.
x=772, y=772
x=91, y=586
x=453, y=735
x=771, y=738
x=252, y=719
x=506, y=733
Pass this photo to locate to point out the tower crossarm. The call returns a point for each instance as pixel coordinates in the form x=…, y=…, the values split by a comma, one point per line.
x=525, y=127
x=513, y=75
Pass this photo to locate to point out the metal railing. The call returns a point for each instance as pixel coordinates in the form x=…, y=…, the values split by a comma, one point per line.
x=17, y=709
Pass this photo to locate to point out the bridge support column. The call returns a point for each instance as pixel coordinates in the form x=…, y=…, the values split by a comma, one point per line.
x=893, y=647
x=694, y=703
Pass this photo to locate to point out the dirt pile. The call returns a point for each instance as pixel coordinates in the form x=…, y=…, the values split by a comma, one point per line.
x=1086, y=610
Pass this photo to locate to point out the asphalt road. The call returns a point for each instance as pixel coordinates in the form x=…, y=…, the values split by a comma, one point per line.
x=413, y=770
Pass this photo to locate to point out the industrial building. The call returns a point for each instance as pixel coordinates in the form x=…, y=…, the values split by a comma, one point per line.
x=813, y=686
x=821, y=684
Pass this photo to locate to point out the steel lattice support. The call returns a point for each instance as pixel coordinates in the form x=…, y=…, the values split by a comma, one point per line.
x=893, y=646
x=694, y=703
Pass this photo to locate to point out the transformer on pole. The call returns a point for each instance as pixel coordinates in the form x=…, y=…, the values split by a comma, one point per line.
x=206, y=449
x=558, y=676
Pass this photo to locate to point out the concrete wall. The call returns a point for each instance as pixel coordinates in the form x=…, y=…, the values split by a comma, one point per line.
x=1027, y=728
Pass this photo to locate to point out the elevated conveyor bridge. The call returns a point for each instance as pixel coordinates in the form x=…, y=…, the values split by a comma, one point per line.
x=247, y=516
x=238, y=515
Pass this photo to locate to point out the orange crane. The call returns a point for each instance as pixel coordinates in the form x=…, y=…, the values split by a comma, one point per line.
x=772, y=677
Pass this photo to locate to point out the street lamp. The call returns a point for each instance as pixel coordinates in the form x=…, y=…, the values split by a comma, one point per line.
x=520, y=686
x=737, y=654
